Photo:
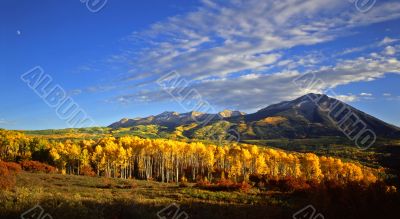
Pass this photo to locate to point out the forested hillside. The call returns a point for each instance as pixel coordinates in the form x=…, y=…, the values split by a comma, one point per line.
x=169, y=160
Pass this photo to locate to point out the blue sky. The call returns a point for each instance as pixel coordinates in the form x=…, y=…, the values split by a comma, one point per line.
x=240, y=55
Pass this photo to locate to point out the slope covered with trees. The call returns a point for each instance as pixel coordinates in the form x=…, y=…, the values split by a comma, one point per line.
x=174, y=161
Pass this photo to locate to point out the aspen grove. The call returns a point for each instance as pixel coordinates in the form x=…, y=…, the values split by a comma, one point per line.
x=173, y=161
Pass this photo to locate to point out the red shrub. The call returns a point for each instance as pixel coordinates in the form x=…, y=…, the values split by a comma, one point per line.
x=224, y=183
x=289, y=184
x=10, y=167
x=245, y=187
x=4, y=169
x=292, y=184
x=87, y=171
x=7, y=174
x=35, y=166
x=14, y=167
x=203, y=183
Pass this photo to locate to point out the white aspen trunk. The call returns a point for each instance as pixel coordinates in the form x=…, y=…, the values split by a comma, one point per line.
x=177, y=170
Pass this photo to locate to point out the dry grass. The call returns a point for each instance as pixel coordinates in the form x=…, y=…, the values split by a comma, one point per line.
x=68, y=196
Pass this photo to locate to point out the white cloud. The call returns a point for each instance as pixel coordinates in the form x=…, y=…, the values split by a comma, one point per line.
x=230, y=49
x=220, y=39
x=366, y=94
x=387, y=94
x=388, y=40
x=353, y=50
x=253, y=90
x=346, y=98
x=390, y=50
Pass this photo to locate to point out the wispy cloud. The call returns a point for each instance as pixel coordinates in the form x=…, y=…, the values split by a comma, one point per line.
x=75, y=92
x=388, y=40
x=5, y=122
x=251, y=90
x=221, y=39
x=237, y=52
x=347, y=98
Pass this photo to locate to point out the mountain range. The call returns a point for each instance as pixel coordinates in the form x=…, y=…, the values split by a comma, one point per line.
x=309, y=116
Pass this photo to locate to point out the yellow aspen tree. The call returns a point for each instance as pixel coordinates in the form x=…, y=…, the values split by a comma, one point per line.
x=311, y=167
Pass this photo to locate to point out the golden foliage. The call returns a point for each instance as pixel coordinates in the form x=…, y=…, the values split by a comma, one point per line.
x=170, y=160
x=275, y=120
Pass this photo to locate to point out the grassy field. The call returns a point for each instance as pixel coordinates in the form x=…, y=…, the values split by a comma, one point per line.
x=74, y=196
x=67, y=196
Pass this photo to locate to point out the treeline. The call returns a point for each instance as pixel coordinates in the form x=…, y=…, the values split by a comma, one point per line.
x=175, y=161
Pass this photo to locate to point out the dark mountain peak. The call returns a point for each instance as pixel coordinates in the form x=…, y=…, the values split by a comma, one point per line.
x=312, y=97
x=314, y=115
x=305, y=100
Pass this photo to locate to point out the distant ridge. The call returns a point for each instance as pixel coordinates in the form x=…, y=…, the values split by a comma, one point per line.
x=299, y=118
x=168, y=118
